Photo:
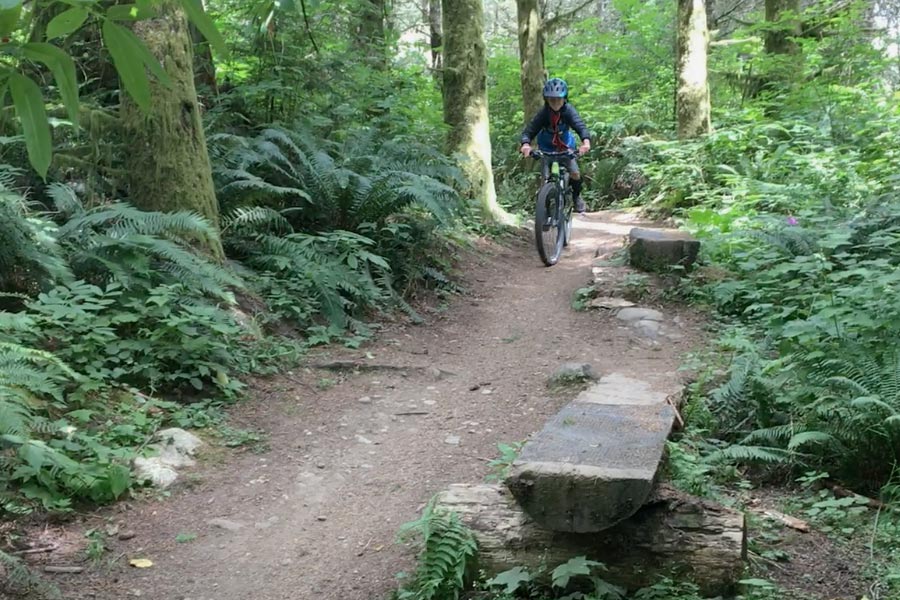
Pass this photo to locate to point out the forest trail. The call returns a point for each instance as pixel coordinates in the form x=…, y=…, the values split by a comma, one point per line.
x=315, y=515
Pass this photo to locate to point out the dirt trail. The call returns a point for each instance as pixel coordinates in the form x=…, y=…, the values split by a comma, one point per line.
x=315, y=516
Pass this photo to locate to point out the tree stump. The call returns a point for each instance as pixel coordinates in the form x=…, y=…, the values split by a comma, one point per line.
x=672, y=533
x=594, y=463
x=654, y=250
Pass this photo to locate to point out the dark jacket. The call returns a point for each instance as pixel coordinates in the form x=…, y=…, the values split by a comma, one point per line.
x=541, y=127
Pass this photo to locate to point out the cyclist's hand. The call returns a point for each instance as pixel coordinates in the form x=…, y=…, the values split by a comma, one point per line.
x=584, y=148
x=525, y=150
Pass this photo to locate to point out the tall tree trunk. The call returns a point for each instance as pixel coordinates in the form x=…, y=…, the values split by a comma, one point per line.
x=435, y=34
x=204, y=67
x=692, y=96
x=167, y=163
x=531, y=55
x=466, y=100
x=780, y=67
x=370, y=33
x=779, y=40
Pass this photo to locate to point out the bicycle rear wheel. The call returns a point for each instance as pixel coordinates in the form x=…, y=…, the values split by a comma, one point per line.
x=549, y=225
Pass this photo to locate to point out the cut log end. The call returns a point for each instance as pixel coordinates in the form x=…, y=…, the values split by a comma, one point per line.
x=671, y=533
x=654, y=250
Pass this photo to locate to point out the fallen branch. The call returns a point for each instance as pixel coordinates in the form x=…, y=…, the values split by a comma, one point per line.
x=356, y=365
x=786, y=520
x=62, y=569
x=842, y=492
x=49, y=548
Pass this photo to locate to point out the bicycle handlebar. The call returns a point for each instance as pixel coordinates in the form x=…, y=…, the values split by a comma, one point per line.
x=537, y=154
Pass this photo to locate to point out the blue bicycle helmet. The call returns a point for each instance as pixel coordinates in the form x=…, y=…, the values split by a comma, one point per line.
x=556, y=88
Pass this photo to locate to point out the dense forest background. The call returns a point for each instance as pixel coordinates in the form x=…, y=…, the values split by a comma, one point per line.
x=191, y=193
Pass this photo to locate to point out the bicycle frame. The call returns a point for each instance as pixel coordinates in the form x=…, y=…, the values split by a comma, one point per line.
x=551, y=167
x=555, y=217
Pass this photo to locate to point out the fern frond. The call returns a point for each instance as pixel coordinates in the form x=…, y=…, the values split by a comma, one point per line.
x=15, y=417
x=742, y=453
x=64, y=198
x=256, y=219
x=120, y=219
x=257, y=184
x=793, y=241
x=448, y=550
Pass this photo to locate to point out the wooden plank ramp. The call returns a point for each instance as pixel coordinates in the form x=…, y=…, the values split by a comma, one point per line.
x=594, y=463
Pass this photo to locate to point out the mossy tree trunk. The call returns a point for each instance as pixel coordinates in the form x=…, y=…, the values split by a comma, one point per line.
x=531, y=56
x=783, y=17
x=779, y=70
x=692, y=95
x=167, y=163
x=370, y=33
x=466, y=100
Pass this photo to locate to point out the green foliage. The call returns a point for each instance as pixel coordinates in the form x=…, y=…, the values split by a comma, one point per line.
x=140, y=249
x=79, y=358
x=500, y=466
x=330, y=186
x=581, y=298
x=19, y=580
x=667, y=589
x=158, y=340
x=131, y=58
x=377, y=205
x=29, y=254
x=303, y=276
x=794, y=200
x=574, y=579
x=448, y=549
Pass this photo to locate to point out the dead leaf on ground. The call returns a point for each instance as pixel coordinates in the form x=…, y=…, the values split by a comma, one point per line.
x=141, y=563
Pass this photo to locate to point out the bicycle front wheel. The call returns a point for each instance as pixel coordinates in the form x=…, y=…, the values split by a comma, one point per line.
x=549, y=233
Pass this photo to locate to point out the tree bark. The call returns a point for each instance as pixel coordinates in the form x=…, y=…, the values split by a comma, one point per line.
x=435, y=34
x=780, y=68
x=204, y=66
x=531, y=56
x=466, y=101
x=692, y=104
x=780, y=40
x=673, y=532
x=370, y=36
x=167, y=163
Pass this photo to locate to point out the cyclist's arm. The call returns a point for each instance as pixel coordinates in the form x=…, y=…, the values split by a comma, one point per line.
x=577, y=123
x=536, y=124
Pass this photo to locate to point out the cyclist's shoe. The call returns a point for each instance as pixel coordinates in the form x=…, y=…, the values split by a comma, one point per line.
x=579, y=205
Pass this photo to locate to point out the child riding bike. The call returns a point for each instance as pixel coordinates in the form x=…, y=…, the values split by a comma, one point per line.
x=553, y=125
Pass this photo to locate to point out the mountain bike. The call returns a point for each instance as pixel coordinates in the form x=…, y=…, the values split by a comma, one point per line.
x=553, y=210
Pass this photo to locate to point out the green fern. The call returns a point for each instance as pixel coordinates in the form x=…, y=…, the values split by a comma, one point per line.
x=29, y=255
x=122, y=243
x=857, y=403
x=793, y=241
x=334, y=274
x=27, y=377
x=19, y=580
x=741, y=453
x=744, y=401
x=448, y=550
x=335, y=188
